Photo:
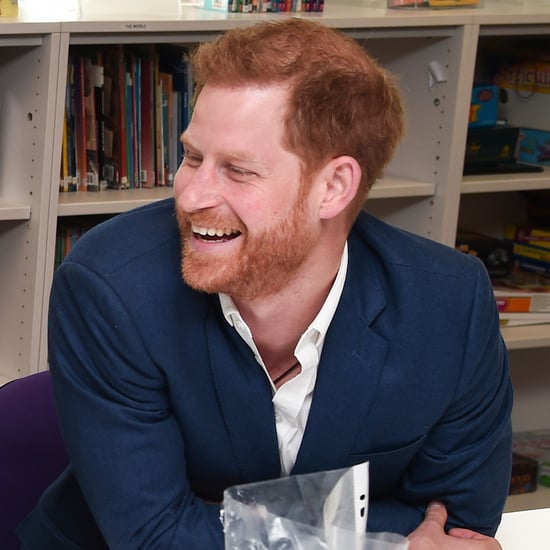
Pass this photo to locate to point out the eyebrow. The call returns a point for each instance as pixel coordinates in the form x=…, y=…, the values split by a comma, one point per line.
x=243, y=156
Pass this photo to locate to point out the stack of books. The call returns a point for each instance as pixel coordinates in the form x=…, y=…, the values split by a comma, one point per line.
x=519, y=267
x=531, y=247
x=253, y=6
x=523, y=298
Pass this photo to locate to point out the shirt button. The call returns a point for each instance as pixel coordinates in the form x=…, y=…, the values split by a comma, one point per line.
x=278, y=418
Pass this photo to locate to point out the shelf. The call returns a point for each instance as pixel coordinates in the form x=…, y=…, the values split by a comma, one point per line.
x=529, y=501
x=391, y=187
x=14, y=211
x=115, y=201
x=527, y=336
x=506, y=182
x=109, y=201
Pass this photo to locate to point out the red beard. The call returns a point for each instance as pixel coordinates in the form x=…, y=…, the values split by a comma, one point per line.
x=263, y=263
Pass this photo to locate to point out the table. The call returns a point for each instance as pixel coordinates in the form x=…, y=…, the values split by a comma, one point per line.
x=525, y=530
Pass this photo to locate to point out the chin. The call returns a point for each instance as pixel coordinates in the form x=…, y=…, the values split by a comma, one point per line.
x=202, y=278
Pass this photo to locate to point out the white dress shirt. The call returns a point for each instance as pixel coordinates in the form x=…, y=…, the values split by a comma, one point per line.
x=292, y=401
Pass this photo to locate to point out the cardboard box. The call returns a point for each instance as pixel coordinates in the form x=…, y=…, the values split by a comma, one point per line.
x=534, y=146
x=525, y=97
x=535, y=445
x=483, y=106
x=524, y=475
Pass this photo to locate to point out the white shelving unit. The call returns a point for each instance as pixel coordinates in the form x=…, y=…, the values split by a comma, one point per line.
x=433, y=53
x=29, y=57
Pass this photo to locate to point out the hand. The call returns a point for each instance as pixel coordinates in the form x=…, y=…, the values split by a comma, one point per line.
x=430, y=534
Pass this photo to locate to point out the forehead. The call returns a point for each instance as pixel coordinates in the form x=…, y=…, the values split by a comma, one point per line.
x=248, y=112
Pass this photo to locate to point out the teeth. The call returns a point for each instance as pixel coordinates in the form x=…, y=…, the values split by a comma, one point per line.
x=211, y=231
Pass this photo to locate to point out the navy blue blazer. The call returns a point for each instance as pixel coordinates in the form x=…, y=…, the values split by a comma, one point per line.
x=163, y=406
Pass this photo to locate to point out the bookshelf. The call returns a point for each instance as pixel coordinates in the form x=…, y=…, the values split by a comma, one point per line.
x=109, y=201
x=435, y=54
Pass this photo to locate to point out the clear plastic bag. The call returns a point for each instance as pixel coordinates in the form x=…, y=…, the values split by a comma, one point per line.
x=324, y=510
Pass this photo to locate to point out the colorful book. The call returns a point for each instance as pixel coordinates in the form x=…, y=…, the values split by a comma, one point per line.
x=535, y=266
x=531, y=251
x=79, y=113
x=535, y=235
x=94, y=81
x=120, y=91
x=129, y=120
x=148, y=134
x=167, y=123
x=111, y=119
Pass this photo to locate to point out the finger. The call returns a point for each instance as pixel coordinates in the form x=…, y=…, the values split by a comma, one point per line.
x=462, y=533
x=437, y=513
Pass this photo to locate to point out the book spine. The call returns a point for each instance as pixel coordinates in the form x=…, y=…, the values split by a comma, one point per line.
x=539, y=303
x=80, y=122
x=530, y=251
x=534, y=266
x=537, y=236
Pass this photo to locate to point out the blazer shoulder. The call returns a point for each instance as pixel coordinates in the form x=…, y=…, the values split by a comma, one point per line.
x=128, y=236
x=401, y=248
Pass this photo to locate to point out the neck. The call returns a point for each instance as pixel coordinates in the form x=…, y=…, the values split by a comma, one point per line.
x=277, y=322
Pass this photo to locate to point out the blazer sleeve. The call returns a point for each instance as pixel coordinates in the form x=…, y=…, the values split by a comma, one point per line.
x=465, y=461
x=125, y=445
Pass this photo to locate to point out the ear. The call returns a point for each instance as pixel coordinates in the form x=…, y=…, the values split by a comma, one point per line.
x=339, y=183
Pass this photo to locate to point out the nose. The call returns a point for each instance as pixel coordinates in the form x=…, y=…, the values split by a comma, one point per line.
x=195, y=188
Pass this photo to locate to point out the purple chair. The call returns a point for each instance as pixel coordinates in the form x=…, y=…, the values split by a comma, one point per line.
x=32, y=453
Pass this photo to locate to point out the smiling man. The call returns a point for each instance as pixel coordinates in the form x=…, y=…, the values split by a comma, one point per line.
x=245, y=224
x=260, y=324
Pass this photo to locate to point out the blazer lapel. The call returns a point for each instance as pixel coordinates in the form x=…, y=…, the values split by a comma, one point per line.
x=346, y=386
x=245, y=398
x=349, y=372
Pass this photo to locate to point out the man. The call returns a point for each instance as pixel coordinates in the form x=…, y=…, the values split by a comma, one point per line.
x=303, y=335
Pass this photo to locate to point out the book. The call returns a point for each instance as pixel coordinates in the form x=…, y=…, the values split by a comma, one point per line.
x=110, y=127
x=535, y=266
x=147, y=115
x=130, y=142
x=121, y=91
x=517, y=319
x=93, y=82
x=531, y=251
x=136, y=119
x=166, y=124
x=536, y=235
x=64, y=175
x=159, y=140
x=174, y=61
x=79, y=112
x=522, y=292
x=99, y=95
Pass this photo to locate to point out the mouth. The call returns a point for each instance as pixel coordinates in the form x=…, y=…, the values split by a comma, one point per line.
x=214, y=234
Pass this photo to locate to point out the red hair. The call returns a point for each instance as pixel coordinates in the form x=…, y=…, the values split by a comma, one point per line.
x=341, y=101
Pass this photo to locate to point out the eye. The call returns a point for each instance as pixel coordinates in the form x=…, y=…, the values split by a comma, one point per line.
x=191, y=159
x=239, y=173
